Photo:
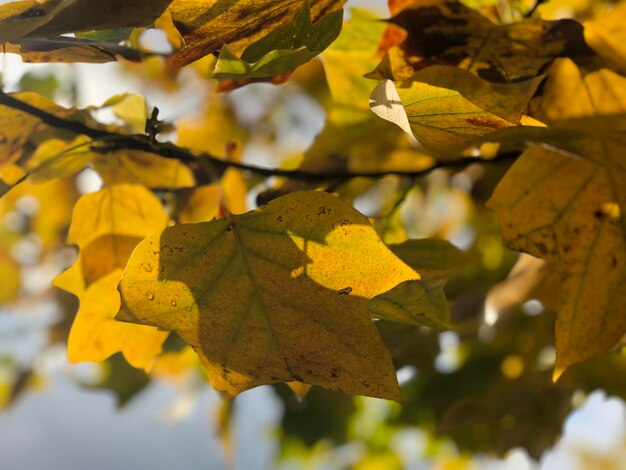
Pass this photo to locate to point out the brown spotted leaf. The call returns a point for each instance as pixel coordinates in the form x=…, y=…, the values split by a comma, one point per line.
x=568, y=210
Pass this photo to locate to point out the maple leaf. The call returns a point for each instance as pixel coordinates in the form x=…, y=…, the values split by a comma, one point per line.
x=574, y=221
x=275, y=295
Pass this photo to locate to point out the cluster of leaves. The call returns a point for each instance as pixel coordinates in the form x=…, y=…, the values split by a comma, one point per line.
x=287, y=292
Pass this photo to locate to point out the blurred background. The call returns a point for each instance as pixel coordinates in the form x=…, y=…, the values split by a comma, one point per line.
x=478, y=397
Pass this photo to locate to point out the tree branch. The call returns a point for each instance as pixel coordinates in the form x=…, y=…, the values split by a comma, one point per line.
x=106, y=141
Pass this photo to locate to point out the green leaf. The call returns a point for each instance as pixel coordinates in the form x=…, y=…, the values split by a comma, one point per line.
x=421, y=302
x=278, y=294
x=207, y=27
x=283, y=49
x=113, y=36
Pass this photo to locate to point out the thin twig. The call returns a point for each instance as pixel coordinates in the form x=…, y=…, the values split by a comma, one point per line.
x=533, y=8
x=106, y=141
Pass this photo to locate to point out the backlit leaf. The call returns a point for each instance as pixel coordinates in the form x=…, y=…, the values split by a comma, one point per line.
x=207, y=26
x=448, y=107
x=575, y=221
x=123, y=210
x=283, y=49
x=275, y=295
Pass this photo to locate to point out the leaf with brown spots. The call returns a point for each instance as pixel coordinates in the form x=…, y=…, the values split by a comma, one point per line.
x=278, y=294
x=568, y=211
x=448, y=108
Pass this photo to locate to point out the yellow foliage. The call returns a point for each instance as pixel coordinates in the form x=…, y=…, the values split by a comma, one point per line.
x=95, y=335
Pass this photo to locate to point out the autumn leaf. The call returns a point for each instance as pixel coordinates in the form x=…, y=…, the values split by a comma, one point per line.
x=107, y=226
x=421, y=302
x=69, y=49
x=448, y=108
x=71, y=16
x=446, y=32
x=17, y=127
x=96, y=335
x=605, y=34
x=206, y=28
x=283, y=49
x=275, y=295
x=574, y=221
x=17, y=19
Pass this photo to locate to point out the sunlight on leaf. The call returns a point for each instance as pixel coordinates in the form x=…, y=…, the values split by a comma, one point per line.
x=448, y=108
x=275, y=295
x=574, y=221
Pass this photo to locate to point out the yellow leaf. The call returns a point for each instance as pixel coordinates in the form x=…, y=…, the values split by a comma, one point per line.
x=606, y=35
x=56, y=158
x=234, y=190
x=275, y=295
x=128, y=210
x=201, y=204
x=107, y=226
x=53, y=201
x=96, y=335
x=173, y=365
x=131, y=109
x=87, y=15
x=10, y=275
x=136, y=167
x=299, y=389
x=568, y=211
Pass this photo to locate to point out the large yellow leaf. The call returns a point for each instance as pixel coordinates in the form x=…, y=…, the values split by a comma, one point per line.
x=278, y=294
x=96, y=335
x=206, y=25
x=568, y=211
